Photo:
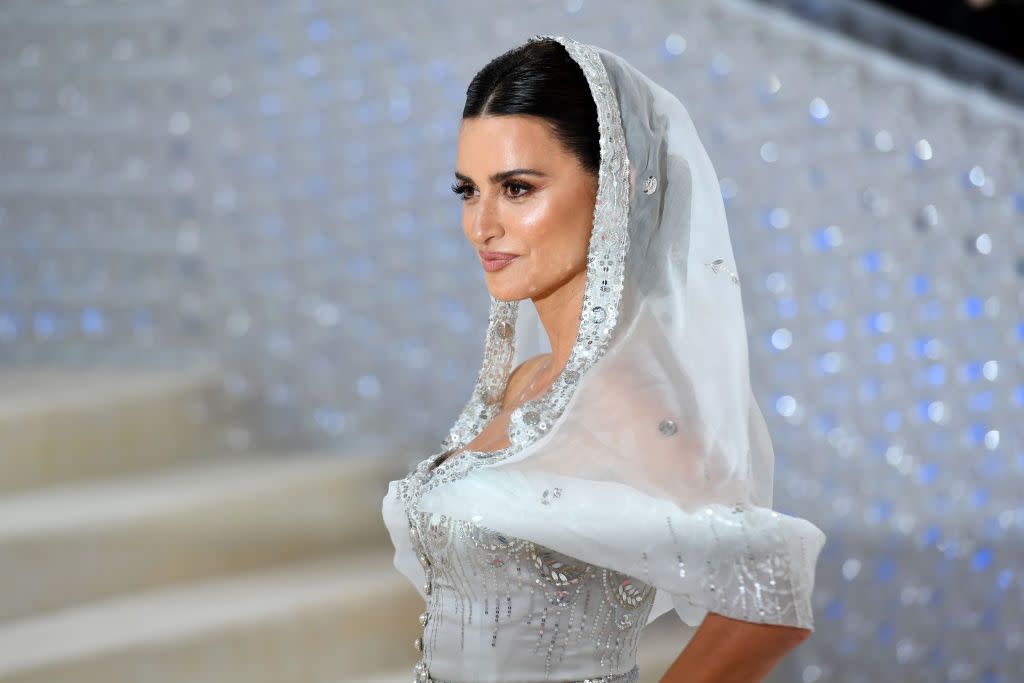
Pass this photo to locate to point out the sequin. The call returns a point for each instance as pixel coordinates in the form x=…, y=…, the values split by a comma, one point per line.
x=650, y=184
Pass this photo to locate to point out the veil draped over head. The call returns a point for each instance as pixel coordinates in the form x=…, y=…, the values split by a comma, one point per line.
x=649, y=454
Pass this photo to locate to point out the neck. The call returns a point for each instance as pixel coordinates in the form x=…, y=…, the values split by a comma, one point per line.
x=559, y=312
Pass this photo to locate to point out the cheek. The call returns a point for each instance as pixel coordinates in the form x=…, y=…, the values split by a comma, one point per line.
x=557, y=240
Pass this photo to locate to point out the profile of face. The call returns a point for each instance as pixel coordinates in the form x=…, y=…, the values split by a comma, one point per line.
x=527, y=205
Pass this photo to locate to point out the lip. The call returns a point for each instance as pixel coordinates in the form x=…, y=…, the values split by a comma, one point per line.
x=496, y=260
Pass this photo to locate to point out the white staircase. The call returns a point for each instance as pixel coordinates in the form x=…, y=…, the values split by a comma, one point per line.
x=133, y=549
x=66, y=425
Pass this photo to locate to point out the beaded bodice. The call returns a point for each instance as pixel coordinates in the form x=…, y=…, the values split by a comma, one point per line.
x=501, y=608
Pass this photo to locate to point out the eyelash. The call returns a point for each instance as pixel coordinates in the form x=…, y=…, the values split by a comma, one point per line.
x=463, y=188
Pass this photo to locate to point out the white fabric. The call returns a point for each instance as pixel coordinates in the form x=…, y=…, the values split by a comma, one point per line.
x=687, y=510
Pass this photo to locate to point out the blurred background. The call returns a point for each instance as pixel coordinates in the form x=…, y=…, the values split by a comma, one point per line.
x=235, y=301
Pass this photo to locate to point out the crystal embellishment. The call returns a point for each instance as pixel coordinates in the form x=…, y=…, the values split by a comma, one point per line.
x=667, y=427
x=717, y=267
x=557, y=568
x=553, y=493
x=560, y=598
x=650, y=184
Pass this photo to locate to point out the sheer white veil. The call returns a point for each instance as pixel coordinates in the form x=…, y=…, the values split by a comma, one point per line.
x=649, y=454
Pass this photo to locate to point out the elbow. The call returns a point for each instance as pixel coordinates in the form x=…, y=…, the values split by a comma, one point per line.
x=788, y=637
x=798, y=635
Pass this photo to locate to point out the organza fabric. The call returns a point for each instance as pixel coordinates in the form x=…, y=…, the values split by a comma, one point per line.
x=651, y=434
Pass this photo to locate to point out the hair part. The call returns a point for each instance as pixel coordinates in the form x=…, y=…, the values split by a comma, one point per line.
x=539, y=78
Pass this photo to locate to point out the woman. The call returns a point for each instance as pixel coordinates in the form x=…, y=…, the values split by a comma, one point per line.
x=611, y=463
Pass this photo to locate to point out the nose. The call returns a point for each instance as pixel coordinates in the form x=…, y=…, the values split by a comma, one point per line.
x=482, y=221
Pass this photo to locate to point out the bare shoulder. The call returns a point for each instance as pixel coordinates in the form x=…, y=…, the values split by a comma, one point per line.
x=519, y=377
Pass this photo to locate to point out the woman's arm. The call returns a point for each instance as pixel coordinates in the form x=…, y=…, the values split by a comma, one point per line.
x=726, y=650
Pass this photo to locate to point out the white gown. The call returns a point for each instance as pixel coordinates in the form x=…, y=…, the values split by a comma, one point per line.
x=502, y=609
x=642, y=480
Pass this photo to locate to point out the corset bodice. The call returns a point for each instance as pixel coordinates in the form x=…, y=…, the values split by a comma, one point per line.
x=500, y=608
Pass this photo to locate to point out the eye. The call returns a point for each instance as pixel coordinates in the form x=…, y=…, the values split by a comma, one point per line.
x=462, y=189
x=516, y=185
x=515, y=189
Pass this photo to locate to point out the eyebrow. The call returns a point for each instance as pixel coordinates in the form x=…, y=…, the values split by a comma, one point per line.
x=504, y=175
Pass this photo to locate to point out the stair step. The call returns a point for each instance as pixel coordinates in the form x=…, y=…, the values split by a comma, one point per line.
x=67, y=544
x=61, y=425
x=396, y=676
x=323, y=620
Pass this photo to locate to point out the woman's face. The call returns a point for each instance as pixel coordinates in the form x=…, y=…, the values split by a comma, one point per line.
x=528, y=205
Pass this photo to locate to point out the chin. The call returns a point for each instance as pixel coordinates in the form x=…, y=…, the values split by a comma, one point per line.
x=504, y=294
x=508, y=291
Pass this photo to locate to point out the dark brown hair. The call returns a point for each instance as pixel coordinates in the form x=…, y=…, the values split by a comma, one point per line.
x=539, y=78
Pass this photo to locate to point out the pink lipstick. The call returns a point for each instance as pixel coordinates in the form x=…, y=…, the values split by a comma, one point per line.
x=496, y=260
